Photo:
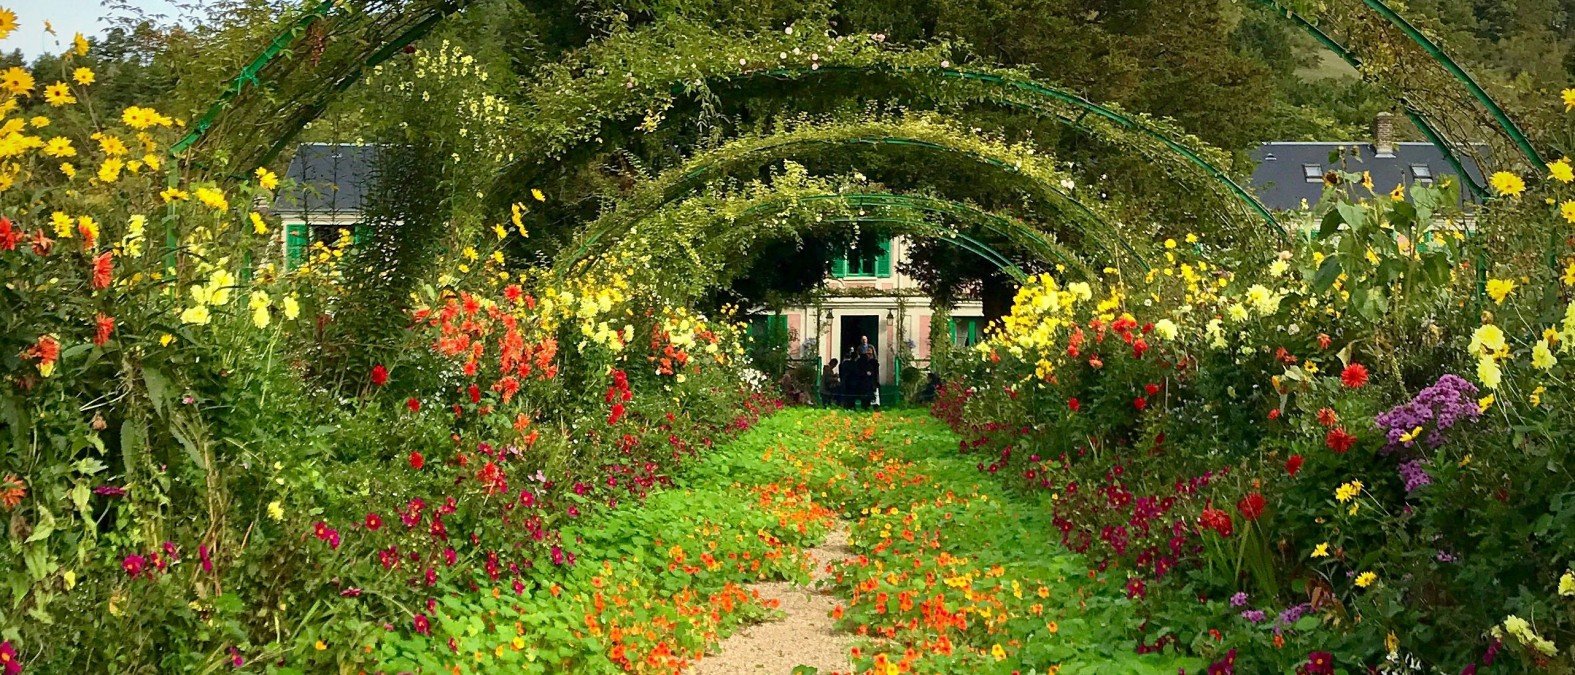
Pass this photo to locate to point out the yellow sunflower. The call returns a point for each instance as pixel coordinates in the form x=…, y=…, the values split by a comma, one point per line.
x=1561, y=171
x=1506, y=183
x=59, y=94
x=7, y=22
x=16, y=80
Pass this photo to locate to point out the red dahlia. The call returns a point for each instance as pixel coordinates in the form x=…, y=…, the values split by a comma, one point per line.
x=1251, y=506
x=1354, y=376
x=1339, y=440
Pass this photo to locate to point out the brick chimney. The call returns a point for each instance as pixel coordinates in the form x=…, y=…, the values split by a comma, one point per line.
x=1384, y=134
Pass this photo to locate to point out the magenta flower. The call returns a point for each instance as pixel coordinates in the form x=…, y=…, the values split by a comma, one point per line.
x=133, y=564
x=10, y=663
x=422, y=625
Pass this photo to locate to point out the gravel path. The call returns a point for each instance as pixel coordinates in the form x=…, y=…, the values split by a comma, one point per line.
x=805, y=636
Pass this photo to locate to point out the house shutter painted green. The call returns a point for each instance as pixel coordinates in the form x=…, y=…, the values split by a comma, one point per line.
x=297, y=237
x=839, y=267
x=883, y=260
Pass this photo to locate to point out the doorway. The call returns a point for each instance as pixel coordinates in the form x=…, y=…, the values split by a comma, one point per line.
x=855, y=327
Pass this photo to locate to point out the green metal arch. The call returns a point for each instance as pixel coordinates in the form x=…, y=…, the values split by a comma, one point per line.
x=1039, y=94
x=1012, y=230
x=681, y=185
x=1418, y=116
x=1120, y=120
x=1475, y=186
x=1443, y=59
x=423, y=15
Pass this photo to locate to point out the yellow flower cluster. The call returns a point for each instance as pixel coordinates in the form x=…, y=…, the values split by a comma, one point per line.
x=215, y=293
x=597, y=303
x=1521, y=630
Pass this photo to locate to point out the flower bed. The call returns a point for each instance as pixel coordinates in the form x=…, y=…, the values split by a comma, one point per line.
x=1341, y=461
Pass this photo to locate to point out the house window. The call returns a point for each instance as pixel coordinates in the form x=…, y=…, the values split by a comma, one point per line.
x=967, y=331
x=1422, y=173
x=1312, y=173
x=858, y=263
x=301, y=237
x=771, y=330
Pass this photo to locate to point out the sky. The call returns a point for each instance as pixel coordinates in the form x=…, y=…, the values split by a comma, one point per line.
x=68, y=16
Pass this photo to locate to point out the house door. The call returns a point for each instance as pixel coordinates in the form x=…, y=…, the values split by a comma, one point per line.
x=856, y=327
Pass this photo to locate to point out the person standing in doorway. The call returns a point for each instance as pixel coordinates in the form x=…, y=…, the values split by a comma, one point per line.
x=830, y=384
x=865, y=347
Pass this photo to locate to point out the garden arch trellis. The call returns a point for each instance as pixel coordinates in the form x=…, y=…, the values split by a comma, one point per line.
x=570, y=104
x=274, y=97
x=916, y=133
x=906, y=210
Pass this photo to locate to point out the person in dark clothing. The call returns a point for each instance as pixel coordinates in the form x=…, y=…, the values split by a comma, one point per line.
x=849, y=393
x=931, y=385
x=830, y=385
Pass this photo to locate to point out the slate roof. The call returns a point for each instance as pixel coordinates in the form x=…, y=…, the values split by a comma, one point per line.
x=1288, y=173
x=333, y=178
x=336, y=177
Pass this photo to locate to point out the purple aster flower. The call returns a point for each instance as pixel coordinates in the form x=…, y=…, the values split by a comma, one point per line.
x=1254, y=615
x=1415, y=475
x=1238, y=600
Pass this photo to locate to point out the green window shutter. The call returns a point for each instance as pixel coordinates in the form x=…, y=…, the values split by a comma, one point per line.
x=839, y=267
x=360, y=233
x=777, y=330
x=297, y=237
x=973, y=331
x=951, y=329
x=883, y=260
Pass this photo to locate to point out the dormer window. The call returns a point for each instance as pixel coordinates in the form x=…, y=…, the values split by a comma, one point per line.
x=1422, y=174
x=1312, y=173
